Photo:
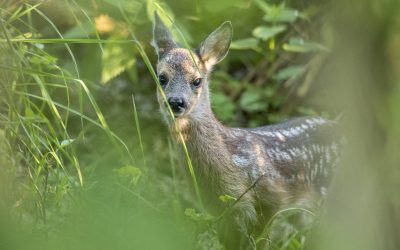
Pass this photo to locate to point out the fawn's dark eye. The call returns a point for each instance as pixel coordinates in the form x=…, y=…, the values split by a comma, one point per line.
x=197, y=82
x=163, y=79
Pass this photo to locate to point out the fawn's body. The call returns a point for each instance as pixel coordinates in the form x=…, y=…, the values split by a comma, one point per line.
x=267, y=167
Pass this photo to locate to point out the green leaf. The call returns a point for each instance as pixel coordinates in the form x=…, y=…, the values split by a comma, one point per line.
x=263, y=5
x=270, y=91
x=29, y=112
x=226, y=198
x=130, y=172
x=43, y=59
x=252, y=101
x=267, y=32
x=116, y=59
x=281, y=14
x=192, y=214
x=289, y=72
x=31, y=115
x=247, y=43
x=79, y=31
x=299, y=45
x=223, y=107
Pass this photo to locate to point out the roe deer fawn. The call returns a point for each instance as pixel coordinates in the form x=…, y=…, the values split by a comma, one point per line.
x=268, y=167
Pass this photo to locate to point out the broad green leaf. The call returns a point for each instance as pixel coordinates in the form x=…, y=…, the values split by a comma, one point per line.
x=226, y=198
x=252, y=101
x=281, y=14
x=130, y=172
x=289, y=72
x=270, y=91
x=267, y=32
x=223, y=107
x=297, y=44
x=263, y=5
x=247, y=43
x=79, y=31
x=116, y=59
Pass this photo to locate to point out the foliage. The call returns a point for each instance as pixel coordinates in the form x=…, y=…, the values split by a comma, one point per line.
x=85, y=161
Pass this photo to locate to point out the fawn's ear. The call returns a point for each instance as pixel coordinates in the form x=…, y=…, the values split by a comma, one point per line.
x=216, y=46
x=162, y=37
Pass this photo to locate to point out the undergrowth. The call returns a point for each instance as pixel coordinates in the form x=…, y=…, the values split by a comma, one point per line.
x=86, y=162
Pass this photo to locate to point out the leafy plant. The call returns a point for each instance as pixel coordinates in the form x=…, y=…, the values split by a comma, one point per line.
x=71, y=140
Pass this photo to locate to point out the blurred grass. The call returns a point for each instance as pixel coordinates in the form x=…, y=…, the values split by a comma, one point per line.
x=87, y=164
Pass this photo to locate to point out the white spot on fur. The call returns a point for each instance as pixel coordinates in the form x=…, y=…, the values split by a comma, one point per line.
x=286, y=156
x=297, y=151
x=267, y=133
x=321, y=164
x=255, y=173
x=310, y=154
x=237, y=132
x=316, y=148
x=240, y=161
x=260, y=158
x=280, y=136
x=311, y=122
x=323, y=191
x=315, y=121
x=308, y=165
x=328, y=155
x=294, y=131
x=287, y=133
x=270, y=154
x=270, y=134
x=276, y=154
x=299, y=130
x=319, y=120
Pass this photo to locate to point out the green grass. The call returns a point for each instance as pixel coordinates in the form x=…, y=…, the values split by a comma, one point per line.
x=39, y=124
x=81, y=172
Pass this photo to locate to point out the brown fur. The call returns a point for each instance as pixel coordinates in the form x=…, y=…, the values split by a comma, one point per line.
x=285, y=164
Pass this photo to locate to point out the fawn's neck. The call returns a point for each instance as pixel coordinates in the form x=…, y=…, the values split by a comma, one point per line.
x=203, y=135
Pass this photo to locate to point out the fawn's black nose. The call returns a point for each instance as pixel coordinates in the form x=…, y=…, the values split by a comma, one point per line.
x=178, y=105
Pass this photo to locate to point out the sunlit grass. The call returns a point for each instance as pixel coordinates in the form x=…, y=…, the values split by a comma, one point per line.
x=44, y=136
x=49, y=114
x=64, y=153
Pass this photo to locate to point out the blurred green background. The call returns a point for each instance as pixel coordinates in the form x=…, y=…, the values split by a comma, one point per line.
x=86, y=162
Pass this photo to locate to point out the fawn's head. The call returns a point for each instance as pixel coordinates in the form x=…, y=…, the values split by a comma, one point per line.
x=183, y=74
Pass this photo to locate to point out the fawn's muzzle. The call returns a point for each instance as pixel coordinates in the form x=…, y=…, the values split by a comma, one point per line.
x=178, y=105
